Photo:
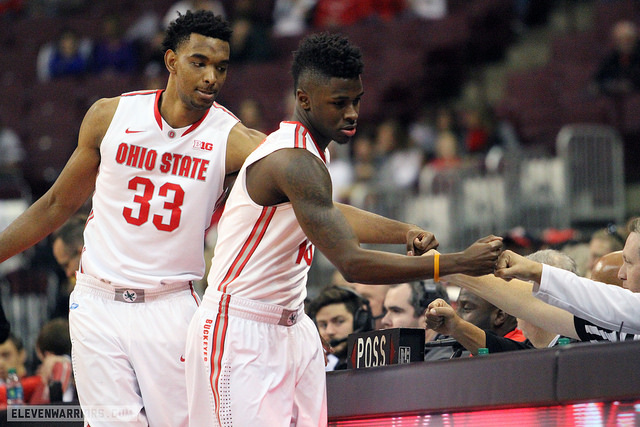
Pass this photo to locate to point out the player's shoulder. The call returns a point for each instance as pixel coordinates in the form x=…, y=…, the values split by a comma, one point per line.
x=98, y=118
x=103, y=108
x=240, y=135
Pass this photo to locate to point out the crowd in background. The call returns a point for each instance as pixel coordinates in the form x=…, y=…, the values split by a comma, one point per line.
x=398, y=153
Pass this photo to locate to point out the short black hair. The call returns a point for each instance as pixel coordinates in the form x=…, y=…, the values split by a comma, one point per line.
x=71, y=233
x=329, y=55
x=334, y=294
x=54, y=337
x=200, y=22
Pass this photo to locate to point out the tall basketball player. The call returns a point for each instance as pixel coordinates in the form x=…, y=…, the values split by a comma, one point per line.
x=253, y=355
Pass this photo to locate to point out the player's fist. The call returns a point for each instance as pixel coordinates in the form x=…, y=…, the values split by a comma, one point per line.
x=440, y=317
x=480, y=258
x=420, y=241
x=510, y=265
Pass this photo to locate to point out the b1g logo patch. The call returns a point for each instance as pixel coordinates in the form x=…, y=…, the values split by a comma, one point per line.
x=201, y=145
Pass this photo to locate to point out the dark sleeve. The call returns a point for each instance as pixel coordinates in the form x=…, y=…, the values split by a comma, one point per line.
x=498, y=344
x=589, y=332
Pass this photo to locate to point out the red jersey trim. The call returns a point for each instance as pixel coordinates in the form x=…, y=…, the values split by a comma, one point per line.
x=156, y=109
x=305, y=134
x=220, y=107
x=249, y=247
x=217, y=349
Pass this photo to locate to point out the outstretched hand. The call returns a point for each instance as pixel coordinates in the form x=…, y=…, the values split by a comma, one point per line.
x=420, y=241
x=511, y=265
x=480, y=258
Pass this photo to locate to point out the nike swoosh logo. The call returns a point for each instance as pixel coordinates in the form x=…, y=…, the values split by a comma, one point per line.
x=132, y=131
x=182, y=358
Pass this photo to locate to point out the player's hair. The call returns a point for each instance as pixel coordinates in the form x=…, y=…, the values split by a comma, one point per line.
x=554, y=258
x=326, y=55
x=200, y=22
x=71, y=233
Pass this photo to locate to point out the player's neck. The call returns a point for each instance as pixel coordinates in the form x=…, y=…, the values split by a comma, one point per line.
x=304, y=120
x=174, y=111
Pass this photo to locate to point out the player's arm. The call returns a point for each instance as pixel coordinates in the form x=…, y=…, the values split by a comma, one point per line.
x=373, y=228
x=302, y=179
x=240, y=143
x=442, y=318
x=69, y=192
x=515, y=298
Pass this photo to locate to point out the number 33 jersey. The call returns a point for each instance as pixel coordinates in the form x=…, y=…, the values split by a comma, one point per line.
x=156, y=191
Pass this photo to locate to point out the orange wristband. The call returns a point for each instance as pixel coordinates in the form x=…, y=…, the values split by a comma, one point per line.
x=436, y=267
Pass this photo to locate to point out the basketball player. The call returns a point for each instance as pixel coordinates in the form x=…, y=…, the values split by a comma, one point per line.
x=253, y=356
x=163, y=157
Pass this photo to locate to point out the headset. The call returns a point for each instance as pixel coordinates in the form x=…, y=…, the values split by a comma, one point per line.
x=363, y=320
x=432, y=291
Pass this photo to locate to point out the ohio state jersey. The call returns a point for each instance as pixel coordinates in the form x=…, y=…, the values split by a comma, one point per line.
x=156, y=192
x=261, y=252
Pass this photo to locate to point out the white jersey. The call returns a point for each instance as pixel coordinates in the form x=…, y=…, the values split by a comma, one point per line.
x=262, y=253
x=156, y=192
x=604, y=305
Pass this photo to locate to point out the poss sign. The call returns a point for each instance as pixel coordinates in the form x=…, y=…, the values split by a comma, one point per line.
x=385, y=347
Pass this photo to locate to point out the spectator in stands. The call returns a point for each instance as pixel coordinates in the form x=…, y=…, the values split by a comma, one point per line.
x=606, y=268
x=112, y=53
x=70, y=55
x=67, y=244
x=341, y=171
x=619, y=72
x=250, y=41
x=251, y=114
x=364, y=167
x=402, y=306
x=476, y=131
x=11, y=150
x=339, y=311
x=374, y=294
x=341, y=13
x=53, y=348
x=292, y=17
x=540, y=337
x=13, y=356
x=428, y=9
x=602, y=242
x=399, y=162
x=476, y=324
x=388, y=9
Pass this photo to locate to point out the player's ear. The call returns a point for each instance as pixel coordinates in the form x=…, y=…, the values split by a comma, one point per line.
x=302, y=98
x=170, y=59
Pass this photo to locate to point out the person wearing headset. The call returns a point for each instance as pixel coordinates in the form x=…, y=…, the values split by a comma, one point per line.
x=339, y=311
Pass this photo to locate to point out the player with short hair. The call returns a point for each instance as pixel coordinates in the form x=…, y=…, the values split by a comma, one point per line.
x=253, y=356
x=163, y=157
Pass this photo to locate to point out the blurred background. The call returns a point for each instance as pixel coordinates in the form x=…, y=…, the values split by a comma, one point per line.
x=514, y=117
